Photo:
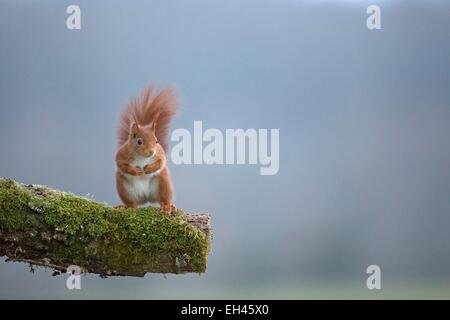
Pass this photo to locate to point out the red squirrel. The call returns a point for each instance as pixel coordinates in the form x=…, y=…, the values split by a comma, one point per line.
x=142, y=175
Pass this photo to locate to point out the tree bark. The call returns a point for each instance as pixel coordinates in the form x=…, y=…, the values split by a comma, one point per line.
x=51, y=228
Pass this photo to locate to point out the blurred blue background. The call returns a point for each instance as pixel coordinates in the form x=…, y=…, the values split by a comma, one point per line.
x=364, y=119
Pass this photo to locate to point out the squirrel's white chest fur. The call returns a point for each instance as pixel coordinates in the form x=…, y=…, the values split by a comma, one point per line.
x=142, y=188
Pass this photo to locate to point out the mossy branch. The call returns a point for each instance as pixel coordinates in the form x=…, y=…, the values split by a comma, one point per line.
x=57, y=229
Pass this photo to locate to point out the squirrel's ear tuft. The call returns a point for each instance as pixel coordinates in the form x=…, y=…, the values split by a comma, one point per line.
x=134, y=129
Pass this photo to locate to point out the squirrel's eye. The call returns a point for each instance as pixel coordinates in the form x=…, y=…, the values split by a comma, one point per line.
x=139, y=141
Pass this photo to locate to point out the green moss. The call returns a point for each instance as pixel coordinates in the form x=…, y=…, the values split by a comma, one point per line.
x=68, y=229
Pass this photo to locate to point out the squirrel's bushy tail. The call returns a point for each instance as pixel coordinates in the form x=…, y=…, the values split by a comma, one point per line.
x=155, y=105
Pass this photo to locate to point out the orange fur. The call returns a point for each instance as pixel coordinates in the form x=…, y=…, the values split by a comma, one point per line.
x=158, y=106
x=143, y=143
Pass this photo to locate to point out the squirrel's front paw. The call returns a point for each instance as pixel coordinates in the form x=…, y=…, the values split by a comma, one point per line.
x=149, y=169
x=138, y=171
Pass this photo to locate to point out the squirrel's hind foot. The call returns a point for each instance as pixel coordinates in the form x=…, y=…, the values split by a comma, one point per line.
x=168, y=208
